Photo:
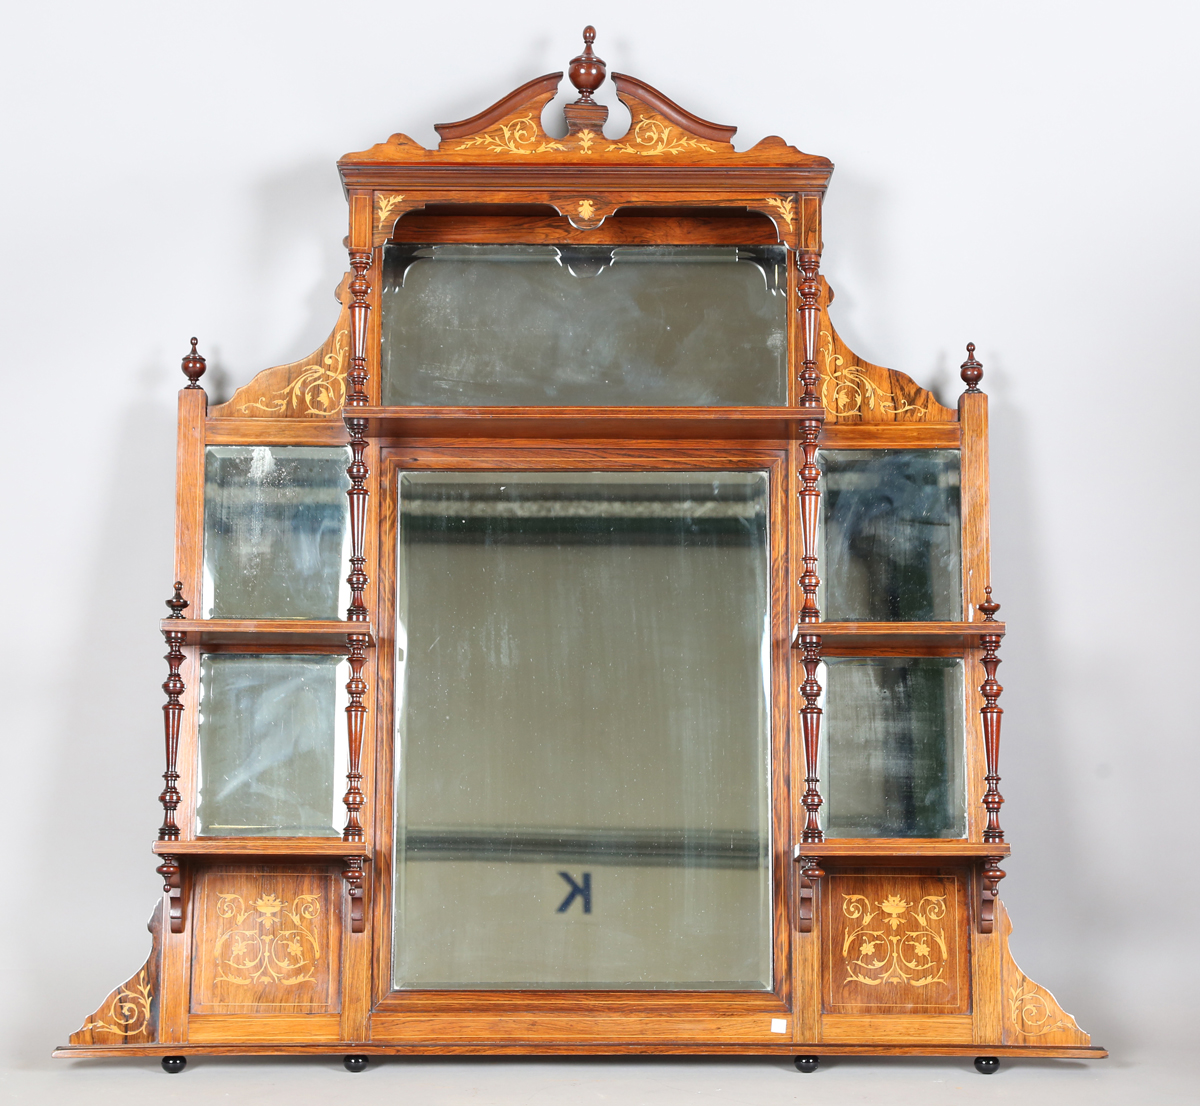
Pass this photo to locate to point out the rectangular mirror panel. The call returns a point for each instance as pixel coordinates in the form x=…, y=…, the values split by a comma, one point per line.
x=571, y=325
x=275, y=532
x=583, y=725
x=890, y=535
x=894, y=747
x=272, y=745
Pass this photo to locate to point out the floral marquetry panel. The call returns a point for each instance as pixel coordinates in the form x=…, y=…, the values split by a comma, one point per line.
x=895, y=943
x=268, y=940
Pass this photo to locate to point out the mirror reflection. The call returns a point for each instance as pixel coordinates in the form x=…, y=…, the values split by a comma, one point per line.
x=893, y=747
x=475, y=325
x=583, y=725
x=890, y=535
x=272, y=754
x=276, y=535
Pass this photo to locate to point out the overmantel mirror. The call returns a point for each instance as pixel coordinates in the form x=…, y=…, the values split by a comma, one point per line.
x=583, y=651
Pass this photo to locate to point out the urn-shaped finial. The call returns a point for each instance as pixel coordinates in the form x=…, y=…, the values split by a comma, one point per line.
x=193, y=366
x=587, y=71
x=971, y=370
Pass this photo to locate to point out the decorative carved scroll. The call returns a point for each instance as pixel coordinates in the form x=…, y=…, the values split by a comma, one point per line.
x=854, y=391
x=129, y=1015
x=1030, y=1014
x=312, y=388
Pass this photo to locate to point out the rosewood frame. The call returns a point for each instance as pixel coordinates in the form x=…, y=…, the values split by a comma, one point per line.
x=672, y=179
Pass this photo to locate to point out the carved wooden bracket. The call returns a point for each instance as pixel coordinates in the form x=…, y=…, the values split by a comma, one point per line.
x=989, y=885
x=172, y=874
x=810, y=873
x=354, y=877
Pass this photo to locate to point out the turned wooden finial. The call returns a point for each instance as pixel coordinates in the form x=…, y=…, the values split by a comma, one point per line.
x=177, y=603
x=989, y=606
x=971, y=370
x=193, y=366
x=587, y=71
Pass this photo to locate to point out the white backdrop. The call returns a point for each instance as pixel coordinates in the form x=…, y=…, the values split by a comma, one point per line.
x=1020, y=175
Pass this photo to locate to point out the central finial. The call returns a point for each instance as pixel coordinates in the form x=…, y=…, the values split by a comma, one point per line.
x=587, y=71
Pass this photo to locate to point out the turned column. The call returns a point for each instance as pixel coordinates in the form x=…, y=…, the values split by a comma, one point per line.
x=810, y=497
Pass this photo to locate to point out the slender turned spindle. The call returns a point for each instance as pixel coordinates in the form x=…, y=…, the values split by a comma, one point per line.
x=172, y=713
x=991, y=714
x=810, y=498
x=992, y=873
x=356, y=687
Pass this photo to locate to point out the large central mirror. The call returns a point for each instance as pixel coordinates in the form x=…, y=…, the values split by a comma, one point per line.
x=583, y=730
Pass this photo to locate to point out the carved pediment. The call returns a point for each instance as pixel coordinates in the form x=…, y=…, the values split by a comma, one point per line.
x=511, y=130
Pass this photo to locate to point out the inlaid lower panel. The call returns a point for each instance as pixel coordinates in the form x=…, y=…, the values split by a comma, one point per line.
x=267, y=940
x=895, y=942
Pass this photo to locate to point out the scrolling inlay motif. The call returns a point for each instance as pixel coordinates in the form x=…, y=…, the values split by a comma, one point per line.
x=320, y=389
x=845, y=388
x=518, y=136
x=914, y=952
x=654, y=136
x=1032, y=1012
x=261, y=946
x=129, y=1010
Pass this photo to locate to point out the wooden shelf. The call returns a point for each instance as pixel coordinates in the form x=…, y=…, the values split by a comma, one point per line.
x=263, y=846
x=273, y=631
x=583, y=422
x=879, y=848
x=899, y=633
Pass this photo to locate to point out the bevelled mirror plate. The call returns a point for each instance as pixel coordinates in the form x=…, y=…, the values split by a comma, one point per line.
x=894, y=747
x=474, y=325
x=891, y=535
x=583, y=726
x=275, y=532
x=272, y=744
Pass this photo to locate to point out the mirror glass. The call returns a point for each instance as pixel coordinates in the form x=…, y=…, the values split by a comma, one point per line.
x=582, y=796
x=276, y=534
x=272, y=745
x=890, y=535
x=473, y=325
x=892, y=747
